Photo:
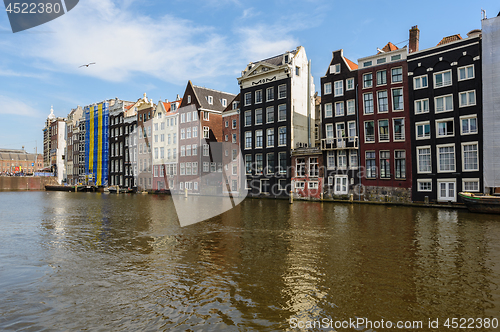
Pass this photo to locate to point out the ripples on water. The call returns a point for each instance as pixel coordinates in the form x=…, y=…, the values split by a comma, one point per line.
x=77, y=261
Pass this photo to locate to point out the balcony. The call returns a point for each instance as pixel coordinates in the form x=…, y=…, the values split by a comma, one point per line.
x=343, y=143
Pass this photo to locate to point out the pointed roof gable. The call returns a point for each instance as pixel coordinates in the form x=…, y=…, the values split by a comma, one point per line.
x=449, y=39
x=389, y=48
x=229, y=107
x=202, y=96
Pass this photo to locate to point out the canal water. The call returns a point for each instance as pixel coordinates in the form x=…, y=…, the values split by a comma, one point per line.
x=97, y=262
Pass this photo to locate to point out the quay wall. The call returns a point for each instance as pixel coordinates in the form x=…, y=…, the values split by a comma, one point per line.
x=25, y=183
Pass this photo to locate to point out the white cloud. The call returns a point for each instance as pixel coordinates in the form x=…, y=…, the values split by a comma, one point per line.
x=12, y=73
x=15, y=107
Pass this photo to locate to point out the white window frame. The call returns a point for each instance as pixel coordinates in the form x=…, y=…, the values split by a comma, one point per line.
x=452, y=145
x=471, y=180
x=377, y=74
x=447, y=83
x=442, y=121
x=378, y=102
x=392, y=75
x=422, y=103
x=353, y=154
x=422, y=123
x=388, y=131
x=349, y=84
x=419, y=181
x=245, y=117
x=267, y=94
x=327, y=126
x=463, y=156
x=338, y=88
x=328, y=110
x=466, y=74
x=341, y=178
x=364, y=131
x=282, y=86
x=402, y=100
x=468, y=118
x=444, y=103
x=366, y=86
x=439, y=181
x=403, y=134
x=248, y=134
x=364, y=104
x=467, y=96
x=261, y=139
x=351, y=107
x=248, y=101
x=327, y=88
x=257, y=93
x=340, y=111
x=426, y=147
x=419, y=79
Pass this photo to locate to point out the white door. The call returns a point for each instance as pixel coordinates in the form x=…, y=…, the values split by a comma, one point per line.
x=341, y=186
x=447, y=191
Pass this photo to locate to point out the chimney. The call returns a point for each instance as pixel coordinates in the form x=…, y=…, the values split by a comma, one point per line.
x=414, y=39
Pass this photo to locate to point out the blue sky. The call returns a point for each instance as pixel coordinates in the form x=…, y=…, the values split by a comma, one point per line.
x=157, y=46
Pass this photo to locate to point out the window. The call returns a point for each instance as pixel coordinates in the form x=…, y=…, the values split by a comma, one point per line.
x=369, y=131
x=399, y=129
x=383, y=131
x=329, y=130
x=442, y=79
x=350, y=84
x=259, y=165
x=258, y=139
x=466, y=73
x=328, y=110
x=235, y=155
x=206, y=132
x=313, y=167
x=421, y=106
x=420, y=82
x=213, y=167
x=330, y=160
x=396, y=57
x=423, y=130
x=248, y=98
x=183, y=118
x=282, y=112
x=397, y=75
x=258, y=96
x=248, y=140
x=385, y=164
x=258, y=116
x=467, y=98
x=234, y=124
x=270, y=137
x=195, y=149
x=351, y=127
x=234, y=138
x=382, y=102
x=206, y=116
x=234, y=171
x=282, y=91
x=470, y=185
x=282, y=162
x=444, y=103
x=189, y=99
x=183, y=133
x=270, y=114
x=367, y=80
x=340, y=133
x=335, y=69
x=162, y=138
x=183, y=151
x=188, y=150
x=382, y=77
x=156, y=153
x=227, y=124
x=188, y=168
x=270, y=163
x=368, y=103
x=282, y=136
x=424, y=185
x=445, y=127
x=342, y=159
x=269, y=94
x=371, y=169
x=248, y=118
x=195, y=116
x=339, y=108
x=446, y=158
x=351, y=107
x=400, y=164
x=300, y=168
x=188, y=133
x=183, y=169
x=469, y=125
x=367, y=64
x=206, y=150
x=248, y=164
x=424, y=159
x=188, y=117
x=470, y=157
x=339, y=88
x=397, y=99
x=353, y=159
x=327, y=88
x=195, y=131
x=300, y=185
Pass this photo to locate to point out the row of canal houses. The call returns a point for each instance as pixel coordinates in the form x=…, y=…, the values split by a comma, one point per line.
x=401, y=125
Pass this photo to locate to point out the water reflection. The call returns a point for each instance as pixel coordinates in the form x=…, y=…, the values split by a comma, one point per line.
x=122, y=262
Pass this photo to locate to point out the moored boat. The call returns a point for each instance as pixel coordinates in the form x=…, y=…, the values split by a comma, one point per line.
x=59, y=188
x=481, y=203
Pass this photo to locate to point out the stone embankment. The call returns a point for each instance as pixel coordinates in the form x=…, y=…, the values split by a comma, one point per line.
x=25, y=183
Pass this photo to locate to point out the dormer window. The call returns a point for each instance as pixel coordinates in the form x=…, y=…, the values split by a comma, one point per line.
x=173, y=106
x=210, y=100
x=285, y=59
x=224, y=102
x=335, y=69
x=235, y=105
x=189, y=99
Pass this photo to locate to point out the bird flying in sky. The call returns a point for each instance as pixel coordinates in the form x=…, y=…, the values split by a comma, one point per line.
x=87, y=65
